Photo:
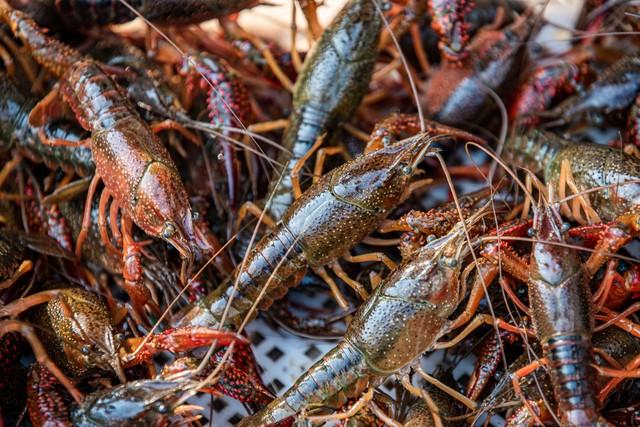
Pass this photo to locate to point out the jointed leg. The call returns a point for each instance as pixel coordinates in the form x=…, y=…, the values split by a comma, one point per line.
x=58, y=142
x=22, y=269
x=374, y=279
x=20, y=305
x=282, y=77
x=256, y=211
x=632, y=150
x=419, y=49
x=86, y=216
x=416, y=185
x=613, y=383
x=611, y=238
x=41, y=355
x=322, y=156
x=9, y=167
x=515, y=379
x=484, y=277
x=113, y=222
x=173, y=125
x=48, y=108
x=481, y=319
x=309, y=9
x=269, y=126
x=425, y=396
x=297, y=167
x=371, y=257
x=179, y=339
x=442, y=386
x=355, y=132
x=620, y=319
x=382, y=416
x=353, y=410
x=349, y=281
x=340, y=299
x=581, y=201
x=102, y=222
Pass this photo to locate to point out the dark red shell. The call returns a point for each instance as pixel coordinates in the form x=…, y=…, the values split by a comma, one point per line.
x=48, y=401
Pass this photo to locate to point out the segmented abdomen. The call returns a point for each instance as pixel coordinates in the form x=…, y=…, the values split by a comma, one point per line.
x=95, y=98
x=305, y=126
x=228, y=105
x=569, y=358
x=16, y=133
x=276, y=261
x=52, y=54
x=334, y=79
x=534, y=150
x=228, y=99
x=340, y=373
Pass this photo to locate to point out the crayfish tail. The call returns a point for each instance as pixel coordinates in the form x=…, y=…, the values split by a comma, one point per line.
x=340, y=371
x=535, y=150
x=572, y=376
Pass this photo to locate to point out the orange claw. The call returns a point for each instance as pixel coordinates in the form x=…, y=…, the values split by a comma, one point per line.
x=179, y=339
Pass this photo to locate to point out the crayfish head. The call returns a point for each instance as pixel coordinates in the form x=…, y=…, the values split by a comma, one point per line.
x=378, y=180
x=143, y=402
x=82, y=330
x=162, y=208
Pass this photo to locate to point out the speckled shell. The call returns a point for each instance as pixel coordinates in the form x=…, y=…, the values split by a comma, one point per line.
x=132, y=162
x=135, y=404
x=562, y=315
x=334, y=79
x=331, y=217
x=404, y=316
x=592, y=165
x=65, y=336
x=595, y=165
x=406, y=313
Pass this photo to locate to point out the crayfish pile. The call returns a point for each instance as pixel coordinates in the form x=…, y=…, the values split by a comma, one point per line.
x=451, y=185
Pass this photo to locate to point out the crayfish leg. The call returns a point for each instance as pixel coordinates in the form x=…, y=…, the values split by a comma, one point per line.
x=250, y=208
x=40, y=353
x=24, y=267
x=102, y=222
x=169, y=124
x=132, y=272
x=48, y=108
x=86, y=215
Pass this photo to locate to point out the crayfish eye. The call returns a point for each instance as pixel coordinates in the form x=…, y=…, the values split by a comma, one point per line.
x=86, y=349
x=407, y=170
x=447, y=262
x=162, y=408
x=169, y=230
